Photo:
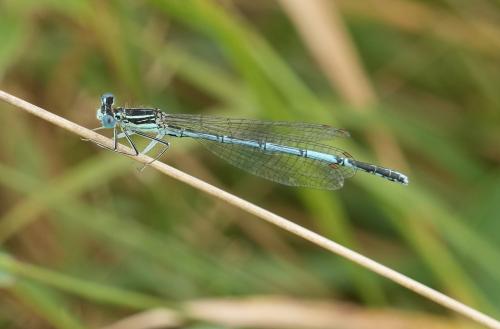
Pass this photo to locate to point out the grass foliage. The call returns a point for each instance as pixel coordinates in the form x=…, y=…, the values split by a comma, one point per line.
x=86, y=239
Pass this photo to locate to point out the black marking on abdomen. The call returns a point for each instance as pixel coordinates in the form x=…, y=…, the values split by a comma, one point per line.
x=380, y=171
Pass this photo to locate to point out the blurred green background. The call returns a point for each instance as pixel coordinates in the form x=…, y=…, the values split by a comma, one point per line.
x=88, y=241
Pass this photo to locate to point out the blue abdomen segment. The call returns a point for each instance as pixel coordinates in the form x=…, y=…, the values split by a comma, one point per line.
x=263, y=146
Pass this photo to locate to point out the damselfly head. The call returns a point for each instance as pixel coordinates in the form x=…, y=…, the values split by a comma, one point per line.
x=105, y=113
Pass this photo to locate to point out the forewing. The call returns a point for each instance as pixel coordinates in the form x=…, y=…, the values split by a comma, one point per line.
x=267, y=131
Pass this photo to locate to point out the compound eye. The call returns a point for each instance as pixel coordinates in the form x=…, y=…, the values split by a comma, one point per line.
x=108, y=121
x=107, y=99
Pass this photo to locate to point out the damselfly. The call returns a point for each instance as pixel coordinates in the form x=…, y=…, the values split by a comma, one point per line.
x=285, y=152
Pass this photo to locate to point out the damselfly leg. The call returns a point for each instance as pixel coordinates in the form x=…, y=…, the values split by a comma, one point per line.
x=154, y=141
x=116, y=137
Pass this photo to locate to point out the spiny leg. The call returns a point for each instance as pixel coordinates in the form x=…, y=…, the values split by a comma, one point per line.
x=149, y=147
x=122, y=135
x=116, y=137
x=115, y=144
x=154, y=141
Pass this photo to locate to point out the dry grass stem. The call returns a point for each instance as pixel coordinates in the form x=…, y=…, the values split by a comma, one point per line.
x=268, y=312
x=324, y=33
x=282, y=312
x=268, y=216
x=155, y=318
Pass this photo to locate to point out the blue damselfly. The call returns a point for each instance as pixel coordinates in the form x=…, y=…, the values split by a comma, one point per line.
x=285, y=152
